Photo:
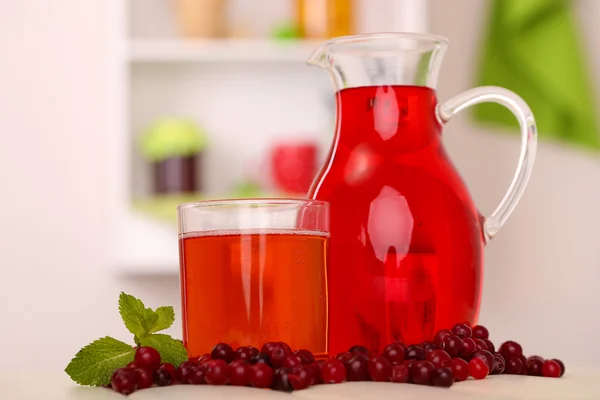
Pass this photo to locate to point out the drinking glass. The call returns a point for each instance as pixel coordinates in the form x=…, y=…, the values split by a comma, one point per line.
x=254, y=271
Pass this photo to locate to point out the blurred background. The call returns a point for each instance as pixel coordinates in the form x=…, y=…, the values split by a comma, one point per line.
x=114, y=111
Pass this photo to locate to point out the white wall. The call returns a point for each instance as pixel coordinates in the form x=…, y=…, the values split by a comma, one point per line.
x=542, y=274
x=56, y=288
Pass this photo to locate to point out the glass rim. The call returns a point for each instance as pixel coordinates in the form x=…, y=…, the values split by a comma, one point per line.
x=252, y=201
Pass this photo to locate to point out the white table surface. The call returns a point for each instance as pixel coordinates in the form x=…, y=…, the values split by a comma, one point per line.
x=577, y=385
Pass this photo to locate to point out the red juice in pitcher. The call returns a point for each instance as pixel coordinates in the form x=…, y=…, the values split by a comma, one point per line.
x=406, y=240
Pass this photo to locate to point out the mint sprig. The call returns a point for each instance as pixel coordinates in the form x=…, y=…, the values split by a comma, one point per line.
x=94, y=364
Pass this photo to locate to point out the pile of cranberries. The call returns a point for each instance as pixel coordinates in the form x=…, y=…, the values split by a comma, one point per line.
x=452, y=356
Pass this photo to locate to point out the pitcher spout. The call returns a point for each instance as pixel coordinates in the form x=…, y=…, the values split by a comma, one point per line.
x=317, y=58
x=379, y=59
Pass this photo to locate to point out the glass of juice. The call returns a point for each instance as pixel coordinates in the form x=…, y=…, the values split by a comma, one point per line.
x=254, y=271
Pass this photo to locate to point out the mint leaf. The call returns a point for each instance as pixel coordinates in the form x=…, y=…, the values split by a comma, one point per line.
x=166, y=317
x=137, y=318
x=132, y=311
x=94, y=364
x=171, y=350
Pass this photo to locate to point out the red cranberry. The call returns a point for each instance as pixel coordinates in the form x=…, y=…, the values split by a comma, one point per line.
x=452, y=345
x=439, y=337
x=261, y=375
x=311, y=370
x=421, y=372
x=480, y=332
x=490, y=346
x=394, y=353
x=291, y=361
x=443, y=377
x=281, y=381
x=267, y=347
x=380, y=369
x=357, y=367
x=524, y=362
x=145, y=378
x=184, y=371
x=305, y=355
x=316, y=373
x=222, y=351
x=551, y=369
x=285, y=347
x=468, y=348
x=481, y=345
x=204, y=358
x=534, y=365
x=342, y=356
x=460, y=369
x=488, y=358
x=147, y=357
x=277, y=356
x=301, y=377
x=170, y=369
x=561, y=364
x=239, y=373
x=400, y=374
x=163, y=377
x=478, y=368
x=514, y=366
x=243, y=353
x=414, y=352
x=499, y=364
x=510, y=349
x=216, y=372
x=359, y=348
x=428, y=347
x=125, y=380
x=439, y=358
x=260, y=358
x=132, y=365
x=198, y=375
x=333, y=371
x=462, y=330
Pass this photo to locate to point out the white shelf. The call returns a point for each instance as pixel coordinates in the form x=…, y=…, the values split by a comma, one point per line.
x=220, y=50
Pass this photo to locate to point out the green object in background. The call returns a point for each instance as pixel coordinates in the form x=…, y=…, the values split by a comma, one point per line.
x=164, y=207
x=248, y=190
x=285, y=31
x=172, y=137
x=533, y=48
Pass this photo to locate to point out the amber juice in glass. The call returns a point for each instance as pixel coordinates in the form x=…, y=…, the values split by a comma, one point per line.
x=254, y=271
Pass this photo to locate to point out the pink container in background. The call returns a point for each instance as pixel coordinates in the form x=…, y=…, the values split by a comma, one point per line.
x=294, y=166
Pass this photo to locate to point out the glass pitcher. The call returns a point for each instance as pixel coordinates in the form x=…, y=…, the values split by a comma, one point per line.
x=406, y=239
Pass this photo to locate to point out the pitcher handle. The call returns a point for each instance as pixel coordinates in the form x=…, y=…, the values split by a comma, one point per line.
x=522, y=112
